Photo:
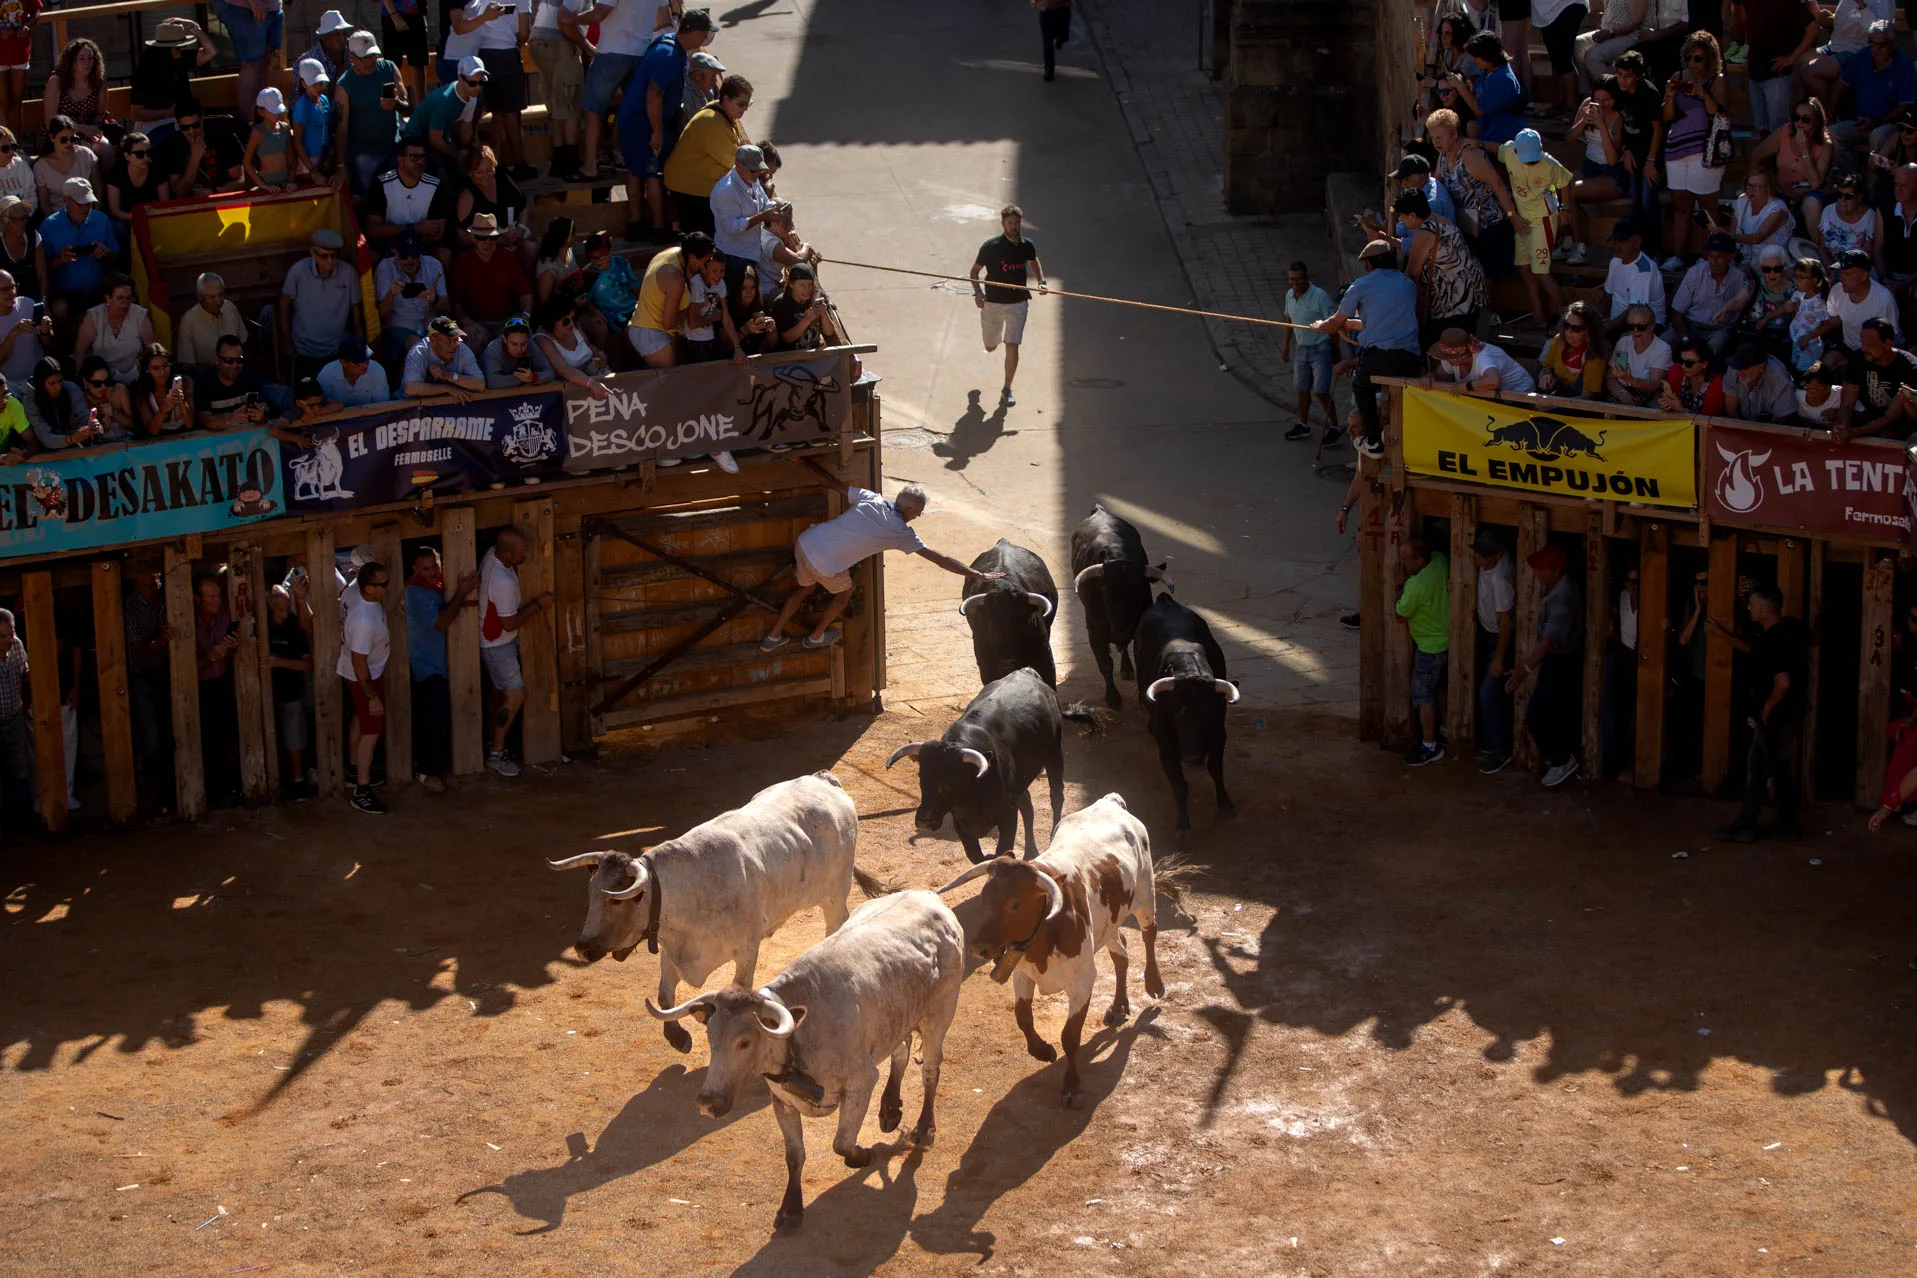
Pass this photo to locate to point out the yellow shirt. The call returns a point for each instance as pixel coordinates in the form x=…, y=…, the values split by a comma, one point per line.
x=1531, y=182
x=704, y=151
x=651, y=312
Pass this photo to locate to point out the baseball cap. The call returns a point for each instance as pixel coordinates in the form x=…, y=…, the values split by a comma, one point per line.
x=1548, y=557
x=79, y=190
x=271, y=100
x=447, y=325
x=1412, y=166
x=703, y=61
x=1626, y=228
x=313, y=71
x=516, y=324
x=327, y=238
x=1528, y=146
x=1853, y=259
x=1746, y=356
x=1377, y=248
x=1487, y=543
x=750, y=156
x=361, y=44
x=407, y=243
x=801, y=272
x=353, y=350
x=471, y=68
x=1719, y=242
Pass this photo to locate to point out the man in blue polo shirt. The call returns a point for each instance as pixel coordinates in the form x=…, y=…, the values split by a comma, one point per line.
x=1384, y=302
x=1879, y=82
x=649, y=117
x=430, y=611
x=78, y=241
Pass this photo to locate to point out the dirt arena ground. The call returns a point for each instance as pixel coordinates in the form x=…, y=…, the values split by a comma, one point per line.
x=1467, y=1029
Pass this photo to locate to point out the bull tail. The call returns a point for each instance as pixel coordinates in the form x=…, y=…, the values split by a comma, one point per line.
x=1170, y=876
x=1600, y=438
x=1092, y=718
x=872, y=885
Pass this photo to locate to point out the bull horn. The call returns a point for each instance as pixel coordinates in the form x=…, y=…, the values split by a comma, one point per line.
x=783, y=1023
x=910, y=750
x=983, y=867
x=641, y=878
x=1085, y=576
x=574, y=862
x=675, y=1013
x=1054, y=896
x=968, y=603
x=1157, y=685
x=1229, y=688
x=1041, y=603
x=976, y=759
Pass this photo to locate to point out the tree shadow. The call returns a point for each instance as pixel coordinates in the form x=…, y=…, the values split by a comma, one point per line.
x=1020, y=1135
x=653, y=1126
x=973, y=434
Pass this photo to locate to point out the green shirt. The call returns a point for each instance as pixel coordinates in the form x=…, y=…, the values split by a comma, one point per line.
x=1425, y=605
x=13, y=424
x=441, y=110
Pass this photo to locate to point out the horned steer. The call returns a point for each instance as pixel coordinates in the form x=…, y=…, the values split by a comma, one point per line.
x=1044, y=920
x=818, y=1031
x=718, y=890
x=1011, y=617
x=1112, y=579
x=982, y=769
x=1182, y=670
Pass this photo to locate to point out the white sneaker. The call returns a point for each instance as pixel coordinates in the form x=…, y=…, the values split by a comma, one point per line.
x=670, y=461
x=1671, y=263
x=1561, y=773
x=1578, y=256
x=726, y=463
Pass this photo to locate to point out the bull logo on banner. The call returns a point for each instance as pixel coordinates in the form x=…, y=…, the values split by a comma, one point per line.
x=795, y=393
x=1545, y=438
x=1740, y=488
x=318, y=471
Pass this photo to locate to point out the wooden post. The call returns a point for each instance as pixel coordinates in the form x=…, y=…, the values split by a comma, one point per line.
x=459, y=553
x=1873, y=682
x=1397, y=728
x=595, y=660
x=575, y=692
x=1721, y=604
x=1597, y=624
x=1372, y=618
x=1814, y=620
x=249, y=696
x=189, y=763
x=1653, y=650
x=1462, y=717
x=43, y=685
x=398, y=680
x=328, y=728
x=269, y=717
x=538, y=642
x=116, y=709
x=1534, y=527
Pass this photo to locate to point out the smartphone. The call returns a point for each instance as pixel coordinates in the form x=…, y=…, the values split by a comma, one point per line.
x=179, y=384
x=252, y=398
x=413, y=290
x=1683, y=83
x=39, y=313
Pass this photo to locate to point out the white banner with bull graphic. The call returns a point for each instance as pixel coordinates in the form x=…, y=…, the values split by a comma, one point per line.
x=693, y=409
x=1546, y=450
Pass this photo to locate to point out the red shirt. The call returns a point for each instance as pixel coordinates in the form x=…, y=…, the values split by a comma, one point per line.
x=489, y=291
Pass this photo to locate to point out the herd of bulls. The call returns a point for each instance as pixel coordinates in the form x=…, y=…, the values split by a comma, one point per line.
x=819, y=1030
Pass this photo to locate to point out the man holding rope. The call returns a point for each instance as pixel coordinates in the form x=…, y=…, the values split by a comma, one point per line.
x=1382, y=304
x=1005, y=260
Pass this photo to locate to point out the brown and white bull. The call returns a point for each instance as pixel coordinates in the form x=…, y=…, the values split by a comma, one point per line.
x=817, y=1032
x=1044, y=920
x=714, y=893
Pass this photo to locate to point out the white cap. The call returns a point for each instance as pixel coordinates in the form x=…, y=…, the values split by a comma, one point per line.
x=472, y=68
x=79, y=190
x=361, y=44
x=270, y=99
x=313, y=71
x=331, y=22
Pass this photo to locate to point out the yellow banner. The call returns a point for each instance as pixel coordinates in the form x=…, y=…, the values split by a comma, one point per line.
x=1545, y=451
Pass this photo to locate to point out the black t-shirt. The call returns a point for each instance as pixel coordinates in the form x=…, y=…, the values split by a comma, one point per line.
x=221, y=156
x=160, y=79
x=131, y=196
x=787, y=311
x=1004, y=262
x=287, y=639
x=211, y=395
x=1877, y=384
x=1783, y=649
x=1641, y=111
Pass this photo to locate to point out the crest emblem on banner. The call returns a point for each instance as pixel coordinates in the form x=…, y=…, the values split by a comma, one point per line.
x=1740, y=488
x=530, y=440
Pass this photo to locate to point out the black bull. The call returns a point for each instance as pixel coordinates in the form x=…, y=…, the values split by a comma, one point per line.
x=1011, y=617
x=1545, y=438
x=1181, y=676
x=1112, y=578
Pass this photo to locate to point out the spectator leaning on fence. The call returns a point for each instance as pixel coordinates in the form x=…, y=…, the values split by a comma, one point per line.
x=1878, y=386
x=511, y=361
x=1573, y=364
x=441, y=365
x=1758, y=388
x=502, y=614
x=1639, y=361
x=1459, y=359
x=353, y=379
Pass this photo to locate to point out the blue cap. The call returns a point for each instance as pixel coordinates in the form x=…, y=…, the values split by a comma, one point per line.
x=353, y=350
x=1528, y=146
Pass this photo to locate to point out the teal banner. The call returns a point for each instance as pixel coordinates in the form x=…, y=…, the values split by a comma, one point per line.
x=125, y=493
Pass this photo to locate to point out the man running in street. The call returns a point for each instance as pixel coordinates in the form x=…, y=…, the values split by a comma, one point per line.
x=1004, y=260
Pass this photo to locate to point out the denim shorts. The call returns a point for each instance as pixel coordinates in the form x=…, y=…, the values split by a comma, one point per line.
x=604, y=77
x=252, y=39
x=502, y=665
x=1311, y=368
x=1427, y=676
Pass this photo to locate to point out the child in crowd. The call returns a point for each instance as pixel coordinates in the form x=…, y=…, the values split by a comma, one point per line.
x=313, y=114
x=1818, y=403
x=708, y=300
x=270, y=159
x=1536, y=181
x=1813, y=286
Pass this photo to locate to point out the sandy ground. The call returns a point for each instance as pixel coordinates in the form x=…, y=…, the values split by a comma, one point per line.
x=1416, y=1022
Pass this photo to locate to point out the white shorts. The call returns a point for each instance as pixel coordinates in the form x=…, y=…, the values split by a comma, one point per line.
x=648, y=340
x=1003, y=322
x=1689, y=174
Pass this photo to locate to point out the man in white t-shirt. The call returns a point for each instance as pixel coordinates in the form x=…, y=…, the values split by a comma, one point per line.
x=1459, y=359
x=1497, y=602
x=827, y=553
x=363, y=648
x=501, y=614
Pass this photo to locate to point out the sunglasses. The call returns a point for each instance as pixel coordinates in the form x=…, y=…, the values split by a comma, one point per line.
x=1771, y=270
x=564, y=321
x=473, y=84
x=189, y=128
x=1574, y=328
x=65, y=139
x=1698, y=60
x=1804, y=119
x=99, y=383
x=1688, y=363
x=232, y=359
x=8, y=149
x=1641, y=328
x=138, y=155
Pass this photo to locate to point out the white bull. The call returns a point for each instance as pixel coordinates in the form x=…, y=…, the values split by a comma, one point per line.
x=818, y=1031
x=1045, y=920
x=718, y=890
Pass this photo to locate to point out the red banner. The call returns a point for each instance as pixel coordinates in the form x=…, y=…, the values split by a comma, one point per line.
x=1804, y=482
